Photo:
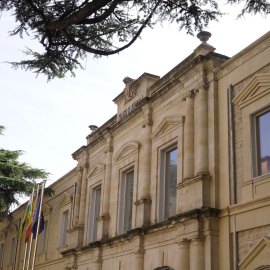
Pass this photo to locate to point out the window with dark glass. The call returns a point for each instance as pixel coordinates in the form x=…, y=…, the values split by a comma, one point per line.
x=94, y=213
x=43, y=237
x=261, y=140
x=11, y=252
x=168, y=181
x=126, y=201
x=64, y=227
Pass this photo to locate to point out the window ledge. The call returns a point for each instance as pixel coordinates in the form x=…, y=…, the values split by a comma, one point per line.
x=256, y=187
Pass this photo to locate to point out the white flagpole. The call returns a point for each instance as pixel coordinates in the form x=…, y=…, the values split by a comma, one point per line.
x=39, y=217
x=25, y=248
x=31, y=239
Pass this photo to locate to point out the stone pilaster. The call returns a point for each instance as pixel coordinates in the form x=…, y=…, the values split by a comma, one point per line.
x=104, y=218
x=78, y=196
x=197, y=260
x=189, y=136
x=183, y=255
x=203, y=131
x=144, y=203
x=83, y=195
x=138, y=260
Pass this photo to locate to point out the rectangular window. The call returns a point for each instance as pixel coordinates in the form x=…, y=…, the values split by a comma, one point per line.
x=11, y=252
x=63, y=240
x=168, y=181
x=126, y=201
x=261, y=143
x=94, y=213
x=1, y=253
x=43, y=237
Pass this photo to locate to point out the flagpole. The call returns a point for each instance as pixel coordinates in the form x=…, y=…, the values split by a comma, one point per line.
x=31, y=238
x=25, y=253
x=39, y=217
x=25, y=249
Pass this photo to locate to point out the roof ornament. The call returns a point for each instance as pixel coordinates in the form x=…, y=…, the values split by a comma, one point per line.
x=93, y=128
x=203, y=36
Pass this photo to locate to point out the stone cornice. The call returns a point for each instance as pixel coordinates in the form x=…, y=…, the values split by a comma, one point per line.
x=201, y=177
x=143, y=201
x=182, y=219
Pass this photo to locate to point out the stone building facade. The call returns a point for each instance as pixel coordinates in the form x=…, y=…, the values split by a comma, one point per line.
x=178, y=179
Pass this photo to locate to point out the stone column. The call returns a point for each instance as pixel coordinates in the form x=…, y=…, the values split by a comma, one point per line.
x=103, y=226
x=203, y=132
x=146, y=165
x=197, y=260
x=83, y=195
x=144, y=202
x=138, y=260
x=189, y=137
x=107, y=182
x=98, y=265
x=183, y=256
x=78, y=196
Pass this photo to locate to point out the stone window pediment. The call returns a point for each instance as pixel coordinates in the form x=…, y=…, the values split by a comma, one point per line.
x=127, y=150
x=167, y=125
x=258, y=87
x=96, y=170
x=65, y=199
x=259, y=257
x=46, y=209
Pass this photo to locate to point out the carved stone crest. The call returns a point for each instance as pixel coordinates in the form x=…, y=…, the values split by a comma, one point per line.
x=130, y=92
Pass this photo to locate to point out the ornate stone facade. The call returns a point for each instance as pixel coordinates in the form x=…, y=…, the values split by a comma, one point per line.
x=153, y=187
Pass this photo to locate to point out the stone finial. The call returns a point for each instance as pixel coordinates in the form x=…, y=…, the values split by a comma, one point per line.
x=93, y=128
x=128, y=80
x=204, y=36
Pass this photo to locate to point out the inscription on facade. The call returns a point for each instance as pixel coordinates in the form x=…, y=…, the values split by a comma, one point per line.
x=129, y=109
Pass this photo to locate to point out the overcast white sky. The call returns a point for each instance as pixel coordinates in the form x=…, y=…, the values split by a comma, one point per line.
x=49, y=121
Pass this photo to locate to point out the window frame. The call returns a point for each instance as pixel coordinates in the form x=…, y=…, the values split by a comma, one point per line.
x=122, y=226
x=43, y=239
x=11, y=251
x=162, y=179
x=255, y=140
x=93, y=223
x=64, y=228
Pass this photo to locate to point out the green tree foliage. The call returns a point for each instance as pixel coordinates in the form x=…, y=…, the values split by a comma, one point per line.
x=69, y=29
x=16, y=179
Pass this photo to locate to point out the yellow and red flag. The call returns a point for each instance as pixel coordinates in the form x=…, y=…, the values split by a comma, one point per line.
x=26, y=216
x=29, y=227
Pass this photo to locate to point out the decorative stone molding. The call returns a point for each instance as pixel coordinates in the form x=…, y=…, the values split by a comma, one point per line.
x=130, y=92
x=191, y=94
x=259, y=256
x=65, y=199
x=97, y=169
x=258, y=87
x=143, y=201
x=201, y=177
x=147, y=118
x=126, y=150
x=103, y=217
x=3, y=235
x=46, y=209
x=13, y=228
x=167, y=125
